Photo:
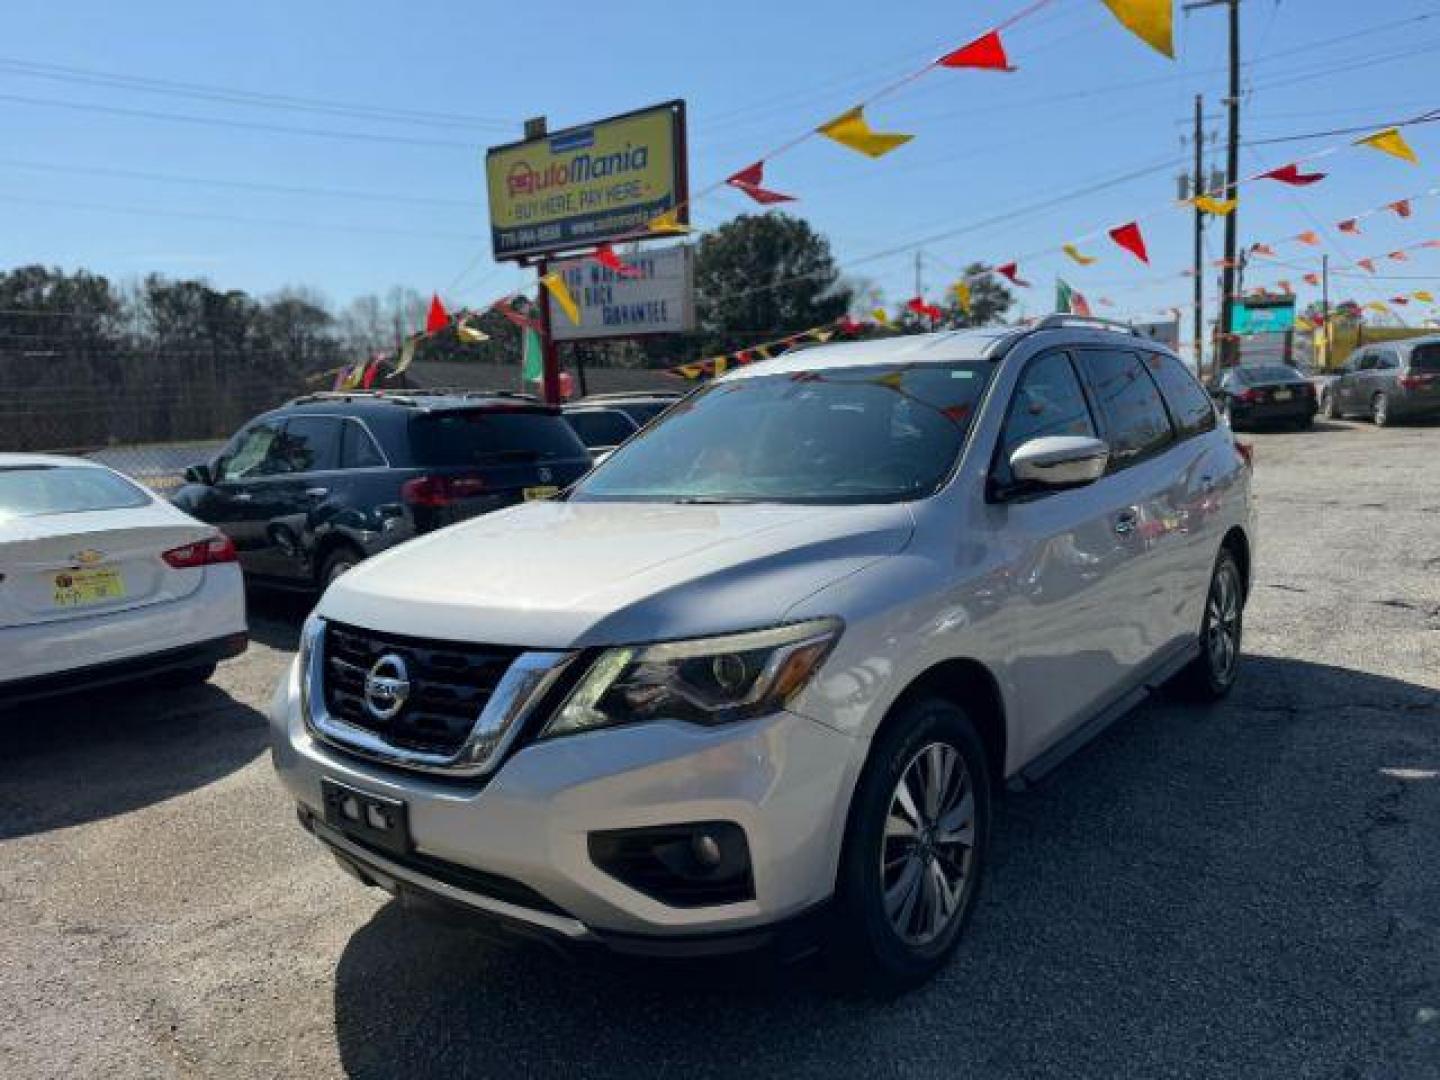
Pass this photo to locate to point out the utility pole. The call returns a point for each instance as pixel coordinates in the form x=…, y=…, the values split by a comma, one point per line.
x=1197, y=187
x=1226, y=354
x=919, y=282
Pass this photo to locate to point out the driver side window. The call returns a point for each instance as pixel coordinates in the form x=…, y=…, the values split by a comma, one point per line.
x=1048, y=400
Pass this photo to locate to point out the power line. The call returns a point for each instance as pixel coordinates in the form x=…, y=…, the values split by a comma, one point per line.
x=257, y=99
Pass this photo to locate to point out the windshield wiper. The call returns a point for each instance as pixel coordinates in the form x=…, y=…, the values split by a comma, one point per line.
x=712, y=500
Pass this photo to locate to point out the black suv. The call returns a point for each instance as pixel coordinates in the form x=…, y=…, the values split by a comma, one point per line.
x=309, y=489
x=604, y=421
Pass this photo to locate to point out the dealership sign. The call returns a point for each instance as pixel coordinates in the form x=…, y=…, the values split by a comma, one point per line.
x=587, y=185
x=654, y=296
x=1273, y=315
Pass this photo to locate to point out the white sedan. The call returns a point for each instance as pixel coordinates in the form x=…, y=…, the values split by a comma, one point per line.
x=103, y=582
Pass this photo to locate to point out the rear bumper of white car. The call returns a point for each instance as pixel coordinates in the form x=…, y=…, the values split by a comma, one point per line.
x=555, y=841
x=206, y=626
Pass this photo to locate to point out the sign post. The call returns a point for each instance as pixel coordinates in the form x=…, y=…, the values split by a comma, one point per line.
x=570, y=190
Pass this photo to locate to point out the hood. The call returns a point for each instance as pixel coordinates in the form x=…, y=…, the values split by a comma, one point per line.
x=562, y=575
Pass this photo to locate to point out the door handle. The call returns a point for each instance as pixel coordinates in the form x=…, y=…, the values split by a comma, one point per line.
x=1125, y=522
x=317, y=493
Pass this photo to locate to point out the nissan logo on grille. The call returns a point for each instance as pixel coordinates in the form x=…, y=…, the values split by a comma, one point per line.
x=387, y=686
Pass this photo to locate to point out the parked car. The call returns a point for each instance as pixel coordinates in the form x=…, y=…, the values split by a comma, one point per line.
x=308, y=490
x=102, y=582
x=1397, y=380
x=604, y=421
x=758, y=677
x=1266, y=394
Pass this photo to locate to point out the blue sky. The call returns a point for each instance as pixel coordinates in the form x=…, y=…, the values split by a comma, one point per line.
x=101, y=175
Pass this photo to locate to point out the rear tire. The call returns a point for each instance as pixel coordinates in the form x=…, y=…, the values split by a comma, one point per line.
x=1211, y=675
x=1380, y=410
x=915, y=846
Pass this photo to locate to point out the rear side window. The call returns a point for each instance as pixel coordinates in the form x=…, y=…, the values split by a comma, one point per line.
x=487, y=436
x=1190, y=405
x=1425, y=358
x=358, y=449
x=1048, y=401
x=34, y=490
x=308, y=444
x=1135, y=418
x=602, y=427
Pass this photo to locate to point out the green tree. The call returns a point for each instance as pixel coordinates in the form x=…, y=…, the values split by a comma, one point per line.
x=761, y=276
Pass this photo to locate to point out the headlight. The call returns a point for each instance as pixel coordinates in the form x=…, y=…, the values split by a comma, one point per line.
x=309, y=637
x=714, y=680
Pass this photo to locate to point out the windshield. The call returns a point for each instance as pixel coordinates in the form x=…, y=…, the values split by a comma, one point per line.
x=1425, y=358
x=483, y=436
x=852, y=435
x=1269, y=374
x=32, y=490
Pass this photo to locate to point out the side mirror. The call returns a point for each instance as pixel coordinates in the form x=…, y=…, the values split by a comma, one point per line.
x=199, y=474
x=1060, y=461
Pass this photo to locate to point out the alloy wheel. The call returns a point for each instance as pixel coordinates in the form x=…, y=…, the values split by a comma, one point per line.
x=1222, y=623
x=927, y=853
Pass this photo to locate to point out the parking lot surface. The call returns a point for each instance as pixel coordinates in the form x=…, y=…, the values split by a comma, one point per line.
x=1249, y=889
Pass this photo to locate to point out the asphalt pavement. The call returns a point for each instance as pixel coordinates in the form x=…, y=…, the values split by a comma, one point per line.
x=1251, y=889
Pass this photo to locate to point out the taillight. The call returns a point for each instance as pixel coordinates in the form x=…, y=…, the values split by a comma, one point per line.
x=1249, y=395
x=1416, y=382
x=434, y=491
x=218, y=549
x=1247, y=453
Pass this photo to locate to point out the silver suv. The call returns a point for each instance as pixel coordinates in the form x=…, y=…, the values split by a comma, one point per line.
x=759, y=676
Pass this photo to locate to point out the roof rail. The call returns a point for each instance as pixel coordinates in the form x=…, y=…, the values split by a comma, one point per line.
x=1060, y=318
x=616, y=395
x=407, y=396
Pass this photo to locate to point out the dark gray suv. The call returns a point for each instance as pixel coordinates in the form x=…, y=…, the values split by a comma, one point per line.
x=1396, y=380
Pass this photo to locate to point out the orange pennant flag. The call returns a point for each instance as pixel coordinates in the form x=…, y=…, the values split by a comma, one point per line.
x=1350, y=225
x=1400, y=206
x=1152, y=21
x=1366, y=264
x=1312, y=279
x=1398, y=256
x=1262, y=249
x=1391, y=142
x=1309, y=237
x=1421, y=294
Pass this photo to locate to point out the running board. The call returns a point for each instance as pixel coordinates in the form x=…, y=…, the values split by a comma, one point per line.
x=1047, y=761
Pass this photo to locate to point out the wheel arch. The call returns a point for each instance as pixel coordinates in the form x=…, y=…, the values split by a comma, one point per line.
x=1238, y=544
x=971, y=686
x=332, y=541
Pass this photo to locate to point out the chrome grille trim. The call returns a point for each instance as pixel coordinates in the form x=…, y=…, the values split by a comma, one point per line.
x=525, y=682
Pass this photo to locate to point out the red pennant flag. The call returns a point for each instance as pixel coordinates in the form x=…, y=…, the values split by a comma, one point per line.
x=1368, y=264
x=1399, y=300
x=986, y=52
x=1284, y=286
x=1312, y=279
x=1309, y=237
x=1350, y=225
x=1012, y=271
x=371, y=370
x=1398, y=256
x=1291, y=174
x=1262, y=249
x=606, y=257
x=514, y=316
x=1431, y=244
x=750, y=179
x=847, y=325
x=1128, y=237
x=438, y=318
x=918, y=305
x=1400, y=206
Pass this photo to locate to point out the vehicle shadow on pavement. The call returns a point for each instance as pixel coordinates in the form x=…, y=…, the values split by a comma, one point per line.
x=275, y=616
x=97, y=755
x=1202, y=891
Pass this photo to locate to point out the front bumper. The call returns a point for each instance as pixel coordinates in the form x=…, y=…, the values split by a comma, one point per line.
x=783, y=779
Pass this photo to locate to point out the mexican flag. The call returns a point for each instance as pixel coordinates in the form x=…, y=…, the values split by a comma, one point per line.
x=1069, y=301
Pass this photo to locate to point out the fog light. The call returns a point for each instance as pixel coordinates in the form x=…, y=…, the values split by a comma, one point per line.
x=351, y=808
x=692, y=865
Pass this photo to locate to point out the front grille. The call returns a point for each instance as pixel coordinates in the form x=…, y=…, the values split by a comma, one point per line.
x=450, y=682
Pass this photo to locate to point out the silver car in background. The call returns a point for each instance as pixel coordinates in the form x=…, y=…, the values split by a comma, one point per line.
x=1395, y=380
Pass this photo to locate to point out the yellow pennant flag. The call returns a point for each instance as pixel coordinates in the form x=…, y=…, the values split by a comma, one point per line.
x=850, y=129
x=962, y=295
x=717, y=366
x=561, y=292
x=471, y=335
x=407, y=354
x=1152, y=21
x=1376, y=305
x=1079, y=256
x=823, y=335
x=1218, y=207
x=689, y=371
x=1421, y=294
x=881, y=316
x=1390, y=141
x=763, y=352
x=668, y=222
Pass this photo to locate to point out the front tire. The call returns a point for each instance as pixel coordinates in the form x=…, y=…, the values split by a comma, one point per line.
x=1211, y=675
x=915, y=845
x=338, y=563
